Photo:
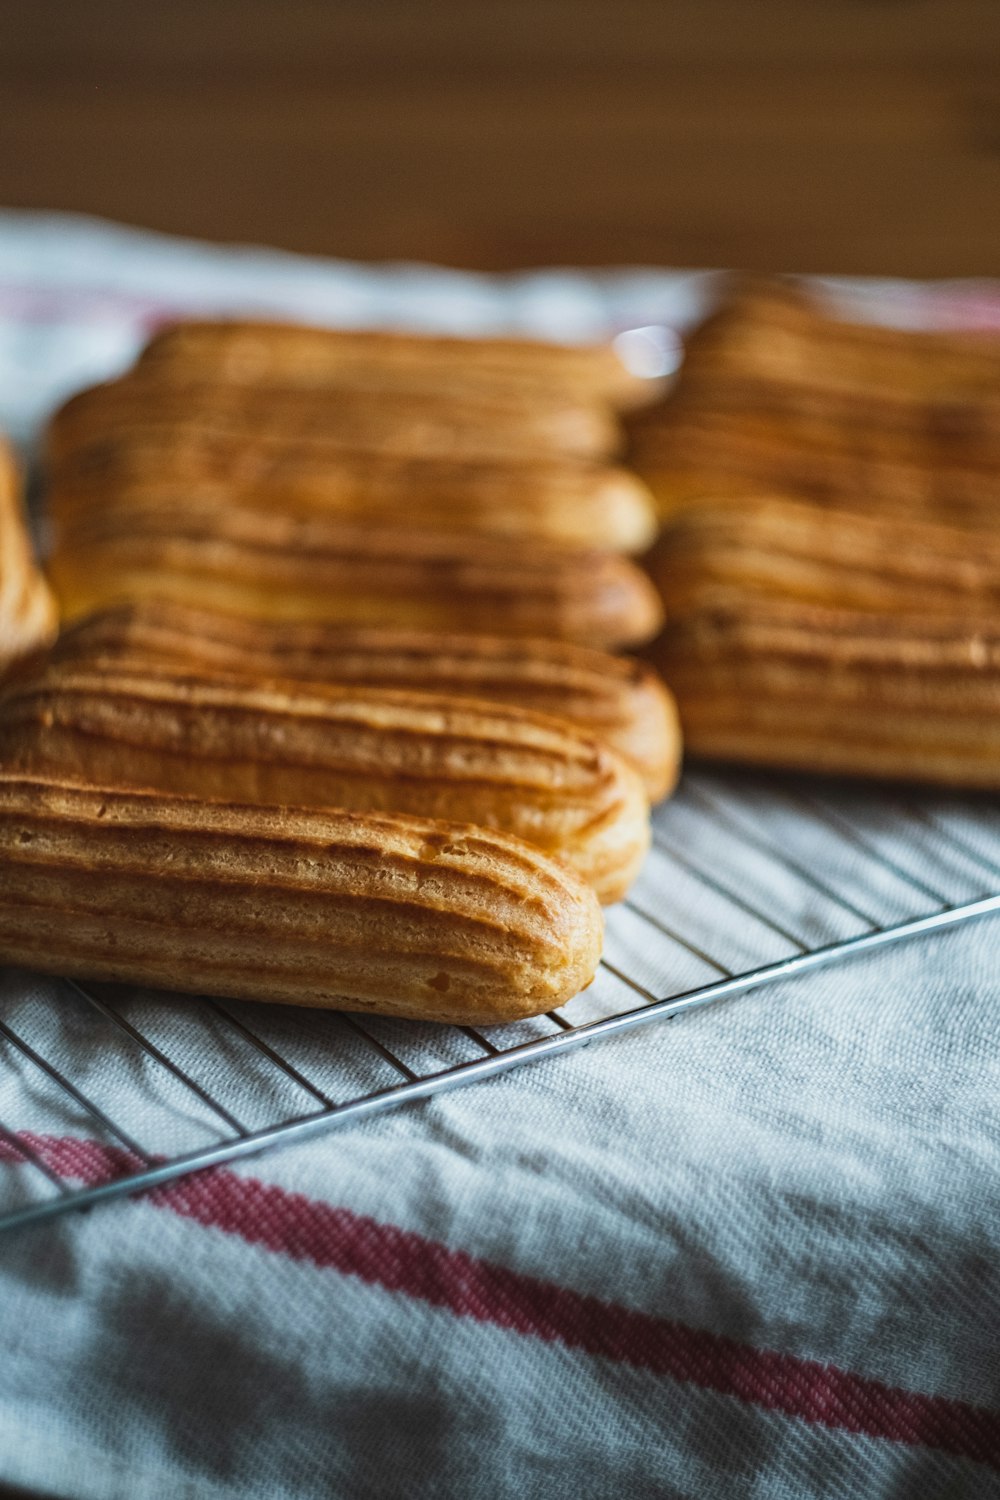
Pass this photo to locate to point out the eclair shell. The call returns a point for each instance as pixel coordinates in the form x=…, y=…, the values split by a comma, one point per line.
x=699, y=456
x=789, y=549
x=777, y=394
x=564, y=503
x=365, y=750
x=617, y=699
x=285, y=420
x=280, y=568
x=828, y=641
x=284, y=353
x=779, y=682
x=777, y=334
x=397, y=915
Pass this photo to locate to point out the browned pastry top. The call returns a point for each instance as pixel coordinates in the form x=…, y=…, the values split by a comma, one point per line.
x=825, y=641
x=786, y=421
x=366, y=749
x=567, y=503
x=776, y=682
x=244, y=351
x=775, y=394
x=786, y=548
x=220, y=459
x=959, y=650
x=291, y=569
x=287, y=419
x=780, y=333
x=616, y=698
x=393, y=914
x=702, y=456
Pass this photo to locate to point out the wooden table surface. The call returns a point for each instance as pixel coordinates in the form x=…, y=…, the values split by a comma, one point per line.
x=814, y=135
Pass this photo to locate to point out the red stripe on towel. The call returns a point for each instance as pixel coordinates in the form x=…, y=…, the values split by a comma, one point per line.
x=398, y=1260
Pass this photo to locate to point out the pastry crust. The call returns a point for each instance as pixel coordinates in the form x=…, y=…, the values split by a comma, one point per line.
x=564, y=503
x=698, y=456
x=28, y=614
x=614, y=698
x=286, y=420
x=779, y=682
x=775, y=331
x=826, y=641
x=788, y=549
x=396, y=915
x=365, y=750
x=776, y=394
x=286, y=353
x=280, y=568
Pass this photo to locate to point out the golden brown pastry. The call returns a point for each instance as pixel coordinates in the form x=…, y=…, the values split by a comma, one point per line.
x=280, y=568
x=820, y=640
x=286, y=420
x=565, y=503
x=397, y=915
x=778, y=332
x=285, y=353
x=613, y=698
x=27, y=609
x=853, y=635
x=777, y=394
x=784, y=548
x=887, y=422
x=786, y=683
x=699, y=455
x=366, y=750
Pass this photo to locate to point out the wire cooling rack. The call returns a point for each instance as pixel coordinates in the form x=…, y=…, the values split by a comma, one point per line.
x=751, y=880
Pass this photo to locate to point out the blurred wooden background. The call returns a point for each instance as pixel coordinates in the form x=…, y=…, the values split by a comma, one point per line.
x=819, y=135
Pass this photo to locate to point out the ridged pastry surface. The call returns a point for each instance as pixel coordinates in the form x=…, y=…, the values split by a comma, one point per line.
x=282, y=568
x=289, y=420
x=362, y=749
x=614, y=698
x=564, y=503
x=783, y=548
x=778, y=682
x=701, y=455
x=251, y=352
x=390, y=914
x=827, y=641
x=776, y=394
x=779, y=333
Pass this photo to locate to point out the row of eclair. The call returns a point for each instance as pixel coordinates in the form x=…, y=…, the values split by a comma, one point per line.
x=830, y=561
x=384, y=574
x=370, y=578
x=298, y=474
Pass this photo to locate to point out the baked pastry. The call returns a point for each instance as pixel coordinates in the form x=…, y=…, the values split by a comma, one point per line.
x=776, y=394
x=777, y=333
x=286, y=353
x=366, y=750
x=614, y=698
x=696, y=456
x=826, y=641
x=28, y=614
x=281, y=568
x=566, y=502
x=787, y=683
x=397, y=915
x=788, y=549
x=290, y=420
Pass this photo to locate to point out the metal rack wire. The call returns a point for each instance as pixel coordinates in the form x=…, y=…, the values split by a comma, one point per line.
x=751, y=880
